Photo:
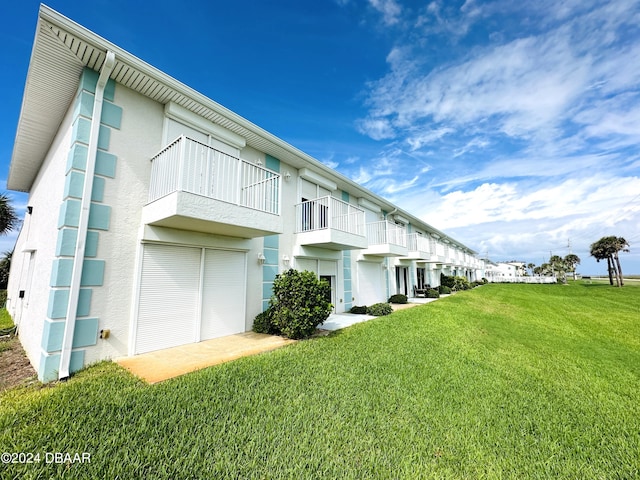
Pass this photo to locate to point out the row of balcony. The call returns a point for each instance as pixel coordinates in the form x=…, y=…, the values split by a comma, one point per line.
x=195, y=187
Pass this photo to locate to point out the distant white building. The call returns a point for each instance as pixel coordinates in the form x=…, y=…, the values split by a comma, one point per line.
x=501, y=270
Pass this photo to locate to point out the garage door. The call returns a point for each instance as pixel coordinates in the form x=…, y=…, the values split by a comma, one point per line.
x=223, y=302
x=182, y=303
x=370, y=284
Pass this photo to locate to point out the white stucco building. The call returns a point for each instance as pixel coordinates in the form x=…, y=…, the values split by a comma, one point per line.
x=162, y=217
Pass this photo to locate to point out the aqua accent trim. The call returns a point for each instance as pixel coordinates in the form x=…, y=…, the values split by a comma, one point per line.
x=346, y=275
x=85, y=334
x=49, y=365
x=97, y=194
x=104, y=138
x=92, y=273
x=272, y=163
x=69, y=213
x=105, y=164
x=271, y=256
x=271, y=241
x=66, y=245
x=81, y=130
x=84, y=105
x=267, y=290
x=270, y=268
x=111, y=115
x=59, y=302
x=77, y=158
x=74, y=184
x=99, y=216
x=89, y=80
x=269, y=273
x=345, y=196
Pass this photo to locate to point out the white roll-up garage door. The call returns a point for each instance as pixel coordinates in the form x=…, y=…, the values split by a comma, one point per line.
x=181, y=303
x=223, y=302
x=370, y=284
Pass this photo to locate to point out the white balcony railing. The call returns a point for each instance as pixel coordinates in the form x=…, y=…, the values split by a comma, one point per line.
x=418, y=243
x=190, y=166
x=385, y=232
x=329, y=213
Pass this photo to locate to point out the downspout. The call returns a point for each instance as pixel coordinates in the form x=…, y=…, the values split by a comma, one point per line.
x=83, y=224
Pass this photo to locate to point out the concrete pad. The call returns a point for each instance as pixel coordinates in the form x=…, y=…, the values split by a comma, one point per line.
x=161, y=365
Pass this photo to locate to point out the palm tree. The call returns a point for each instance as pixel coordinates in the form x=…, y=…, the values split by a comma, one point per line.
x=609, y=247
x=571, y=261
x=8, y=218
x=620, y=245
x=531, y=266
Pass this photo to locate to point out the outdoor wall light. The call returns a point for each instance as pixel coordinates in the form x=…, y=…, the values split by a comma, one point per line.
x=259, y=162
x=285, y=259
x=261, y=258
x=287, y=176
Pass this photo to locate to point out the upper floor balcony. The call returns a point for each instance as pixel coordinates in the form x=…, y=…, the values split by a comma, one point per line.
x=386, y=239
x=328, y=222
x=419, y=247
x=195, y=187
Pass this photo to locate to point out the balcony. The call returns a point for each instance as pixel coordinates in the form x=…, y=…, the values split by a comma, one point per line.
x=195, y=187
x=419, y=247
x=330, y=223
x=386, y=239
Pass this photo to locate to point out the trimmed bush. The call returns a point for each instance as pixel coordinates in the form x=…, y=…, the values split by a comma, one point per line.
x=461, y=283
x=433, y=293
x=299, y=303
x=447, y=281
x=398, y=298
x=263, y=323
x=379, y=309
x=444, y=290
x=359, y=310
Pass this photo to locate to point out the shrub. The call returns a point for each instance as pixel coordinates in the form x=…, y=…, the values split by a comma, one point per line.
x=444, y=290
x=433, y=293
x=299, y=303
x=263, y=323
x=379, y=309
x=398, y=298
x=359, y=310
x=461, y=283
x=447, y=281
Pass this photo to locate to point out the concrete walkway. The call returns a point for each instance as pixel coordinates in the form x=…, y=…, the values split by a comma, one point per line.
x=154, y=367
x=161, y=365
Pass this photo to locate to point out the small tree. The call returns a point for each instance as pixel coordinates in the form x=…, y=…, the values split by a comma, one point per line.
x=299, y=303
x=608, y=248
x=572, y=261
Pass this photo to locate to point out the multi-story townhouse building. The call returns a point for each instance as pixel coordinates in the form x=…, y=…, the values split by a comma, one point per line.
x=163, y=218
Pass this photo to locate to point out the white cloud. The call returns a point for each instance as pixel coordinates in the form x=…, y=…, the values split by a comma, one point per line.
x=389, y=9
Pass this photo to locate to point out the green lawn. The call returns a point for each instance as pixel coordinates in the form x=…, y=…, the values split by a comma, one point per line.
x=504, y=381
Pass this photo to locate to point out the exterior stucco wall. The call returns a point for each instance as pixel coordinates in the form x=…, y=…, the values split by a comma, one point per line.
x=134, y=144
x=38, y=233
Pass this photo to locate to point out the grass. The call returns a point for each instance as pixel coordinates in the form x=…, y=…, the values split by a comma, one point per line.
x=6, y=322
x=504, y=381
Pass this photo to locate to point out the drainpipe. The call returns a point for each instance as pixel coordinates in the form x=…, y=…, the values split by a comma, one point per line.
x=83, y=224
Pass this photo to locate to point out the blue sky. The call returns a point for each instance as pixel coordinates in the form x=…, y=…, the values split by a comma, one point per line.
x=512, y=126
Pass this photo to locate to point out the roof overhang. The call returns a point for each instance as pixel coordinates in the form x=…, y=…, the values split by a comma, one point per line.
x=63, y=48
